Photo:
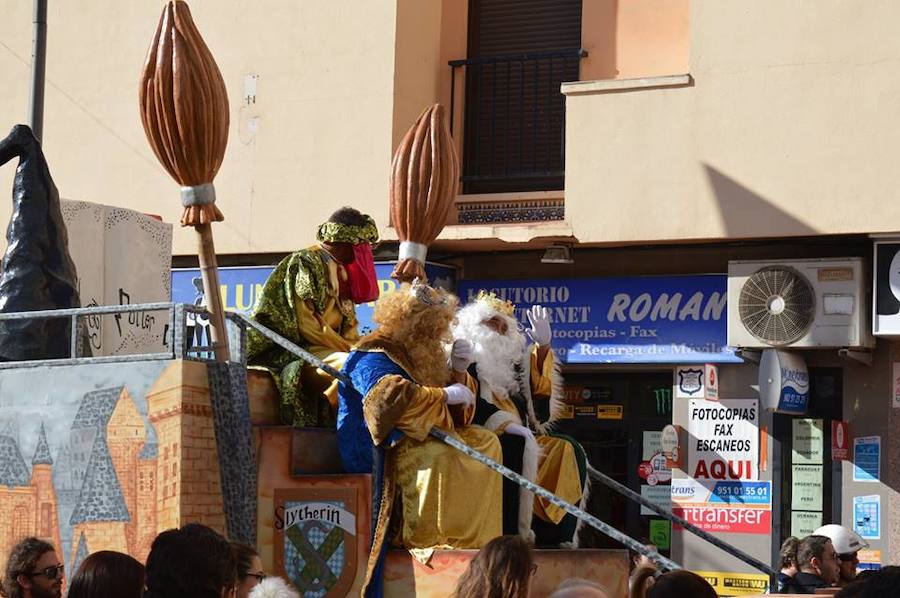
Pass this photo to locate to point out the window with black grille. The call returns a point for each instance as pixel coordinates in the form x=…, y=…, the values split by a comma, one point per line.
x=520, y=51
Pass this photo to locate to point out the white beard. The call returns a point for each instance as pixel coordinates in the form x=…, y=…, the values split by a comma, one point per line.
x=496, y=355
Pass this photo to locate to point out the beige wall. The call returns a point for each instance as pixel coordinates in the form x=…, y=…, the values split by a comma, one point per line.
x=318, y=136
x=788, y=129
x=634, y=38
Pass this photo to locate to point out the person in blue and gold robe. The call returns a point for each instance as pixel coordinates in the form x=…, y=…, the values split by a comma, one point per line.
x=401, y=389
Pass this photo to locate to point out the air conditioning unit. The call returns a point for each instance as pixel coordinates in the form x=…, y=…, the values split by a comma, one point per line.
x=817, y=303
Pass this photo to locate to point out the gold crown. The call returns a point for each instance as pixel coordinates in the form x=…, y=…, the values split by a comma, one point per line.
x=496, y=303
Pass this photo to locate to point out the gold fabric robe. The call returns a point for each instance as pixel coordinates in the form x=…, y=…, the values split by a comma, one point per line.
x=433, y=481
x=557, y=468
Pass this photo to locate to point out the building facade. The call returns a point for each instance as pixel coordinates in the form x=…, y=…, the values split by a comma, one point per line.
x=657, y=140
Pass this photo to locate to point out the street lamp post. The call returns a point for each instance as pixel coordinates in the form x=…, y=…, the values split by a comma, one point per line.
x=38, y=68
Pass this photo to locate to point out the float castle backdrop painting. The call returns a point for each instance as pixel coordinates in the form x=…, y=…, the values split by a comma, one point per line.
x=89, y=455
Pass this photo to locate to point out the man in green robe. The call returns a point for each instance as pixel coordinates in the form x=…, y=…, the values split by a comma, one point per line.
x=310, y=299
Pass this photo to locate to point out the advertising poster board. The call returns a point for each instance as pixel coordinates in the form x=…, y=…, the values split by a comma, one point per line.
x=728, y=506
x=840, y=440
x=867, y=516
x=736, y=584
x=867, y=459
x=806, y=487
x=804, y=523
x=724, y=441
x=807, y=444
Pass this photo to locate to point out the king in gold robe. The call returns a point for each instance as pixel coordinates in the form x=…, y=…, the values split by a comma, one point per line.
x=518, y=390
x=310, y=299
x=423, y=487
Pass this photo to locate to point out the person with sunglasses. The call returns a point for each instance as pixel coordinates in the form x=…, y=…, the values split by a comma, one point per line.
x=847, y=544
x=33, y=570
x=250, y=571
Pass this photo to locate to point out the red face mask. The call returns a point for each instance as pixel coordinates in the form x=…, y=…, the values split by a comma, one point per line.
x=361, y=272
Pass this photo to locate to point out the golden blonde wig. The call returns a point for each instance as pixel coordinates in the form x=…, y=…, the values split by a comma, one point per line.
x=418, y=318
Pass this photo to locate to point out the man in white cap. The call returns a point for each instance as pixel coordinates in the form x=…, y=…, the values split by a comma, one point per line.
x=847, y=544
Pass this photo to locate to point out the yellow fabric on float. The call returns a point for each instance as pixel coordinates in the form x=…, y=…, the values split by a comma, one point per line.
x=441, y=508
x=558, y=473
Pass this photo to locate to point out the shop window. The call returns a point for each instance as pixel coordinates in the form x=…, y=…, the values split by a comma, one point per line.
x=809, y=480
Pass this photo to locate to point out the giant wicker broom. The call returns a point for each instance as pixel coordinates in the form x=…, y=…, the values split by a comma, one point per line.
x=424, y=174
x=184, y=110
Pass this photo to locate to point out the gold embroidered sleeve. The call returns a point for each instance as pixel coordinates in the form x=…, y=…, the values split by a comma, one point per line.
x=541, y=379
x=314, y=328
x=395, y=402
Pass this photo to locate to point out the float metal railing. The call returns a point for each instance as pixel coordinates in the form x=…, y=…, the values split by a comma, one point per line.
x=182, y=347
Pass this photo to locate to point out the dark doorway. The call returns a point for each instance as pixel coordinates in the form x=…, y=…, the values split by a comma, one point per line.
x=614, y=417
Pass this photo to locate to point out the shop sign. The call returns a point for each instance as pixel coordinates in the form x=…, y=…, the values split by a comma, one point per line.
x=807, y=440
x=867, y=459
x=660, y=534
x=783, y=382
x=652, y=319
x=806, y=487
x=869, y=559
x=242, y=287
x=651, y=444
x=660, y=495
x=566, y=412
x=585, y=410
x=724, y=439
x=886, y=316
x=736, y=584
x=804, y=523
x=730, y=506
x=712, y=382
x=697, y=382
x=840, y=441
x=610, y=411
x=668, y=438
x=867, y=516
x=655, y=470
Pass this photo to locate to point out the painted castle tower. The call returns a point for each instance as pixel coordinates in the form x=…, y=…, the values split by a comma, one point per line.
x=187, y=480
x=28, y=502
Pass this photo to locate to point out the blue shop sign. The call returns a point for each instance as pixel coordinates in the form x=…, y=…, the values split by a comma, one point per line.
x=657, y=319
x=241, y=287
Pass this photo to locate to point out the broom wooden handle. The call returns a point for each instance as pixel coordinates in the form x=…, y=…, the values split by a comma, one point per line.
x=206, y=250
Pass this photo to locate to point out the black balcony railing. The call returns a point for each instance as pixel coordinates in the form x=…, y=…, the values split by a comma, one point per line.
x=515, y=120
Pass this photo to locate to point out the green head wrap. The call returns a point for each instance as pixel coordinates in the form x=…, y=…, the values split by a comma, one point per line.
x=335, y=232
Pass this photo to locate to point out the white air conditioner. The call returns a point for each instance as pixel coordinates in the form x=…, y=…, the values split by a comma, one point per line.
x=817, y=303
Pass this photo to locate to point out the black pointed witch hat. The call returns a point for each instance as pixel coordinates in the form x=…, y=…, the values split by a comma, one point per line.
x=38, y=272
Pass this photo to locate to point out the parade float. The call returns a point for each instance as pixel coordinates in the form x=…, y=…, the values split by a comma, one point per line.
x=116, y=424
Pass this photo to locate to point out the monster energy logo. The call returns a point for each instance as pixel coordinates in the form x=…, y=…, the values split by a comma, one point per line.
x=663, y=398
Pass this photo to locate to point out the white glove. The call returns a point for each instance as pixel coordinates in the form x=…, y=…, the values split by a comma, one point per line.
x=540, y=325
x=458, y=394
x=517, y=430
x=461, y=355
